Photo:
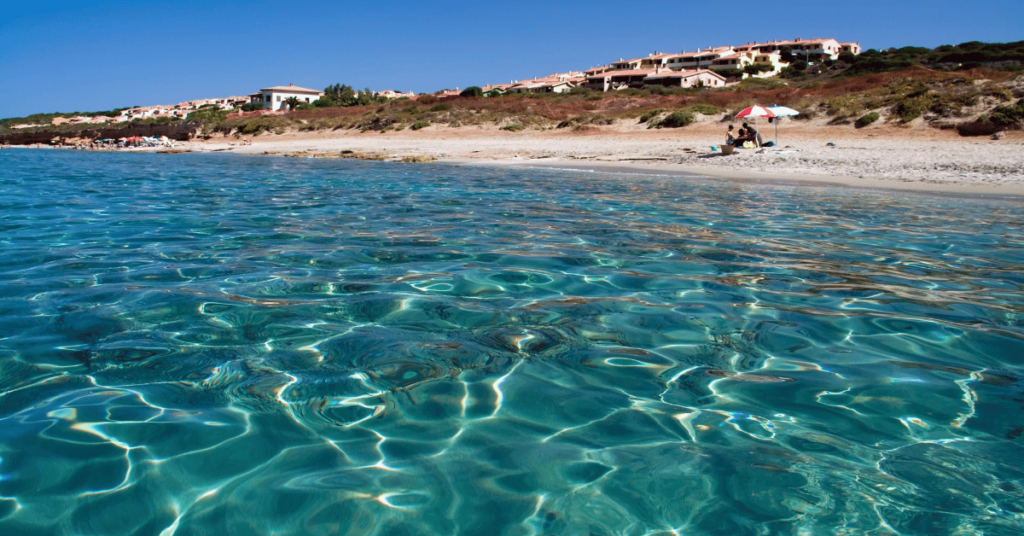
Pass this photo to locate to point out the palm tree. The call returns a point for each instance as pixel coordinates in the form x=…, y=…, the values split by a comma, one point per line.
x=292, y=102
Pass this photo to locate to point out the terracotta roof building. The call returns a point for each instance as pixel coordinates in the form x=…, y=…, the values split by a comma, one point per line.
x=276, y=97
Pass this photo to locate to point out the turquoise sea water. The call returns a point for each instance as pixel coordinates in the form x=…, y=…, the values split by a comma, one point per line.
x=197, y=344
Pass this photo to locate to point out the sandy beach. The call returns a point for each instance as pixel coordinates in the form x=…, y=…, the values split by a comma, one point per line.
x=917, y=157
x=913, y=157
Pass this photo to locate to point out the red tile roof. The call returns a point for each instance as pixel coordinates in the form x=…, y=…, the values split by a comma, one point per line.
x=684, y=74
x=624, y=72
x=659, y=56
x=291, y=89
x=717, y=50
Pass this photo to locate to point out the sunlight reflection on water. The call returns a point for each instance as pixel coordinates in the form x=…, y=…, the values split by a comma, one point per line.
x=198, y=344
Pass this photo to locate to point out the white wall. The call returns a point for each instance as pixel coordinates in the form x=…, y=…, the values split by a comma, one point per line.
x=277, y=99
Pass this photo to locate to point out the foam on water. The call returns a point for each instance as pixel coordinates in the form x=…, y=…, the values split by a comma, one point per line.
x=200, y=344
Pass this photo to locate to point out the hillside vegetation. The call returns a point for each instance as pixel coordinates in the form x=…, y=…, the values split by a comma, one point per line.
x=938, y=98
x=975, y=87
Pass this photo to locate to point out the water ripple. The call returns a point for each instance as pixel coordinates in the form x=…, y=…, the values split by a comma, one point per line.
x=213, y=344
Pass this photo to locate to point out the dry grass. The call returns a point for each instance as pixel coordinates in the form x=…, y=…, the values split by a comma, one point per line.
x=842, y=99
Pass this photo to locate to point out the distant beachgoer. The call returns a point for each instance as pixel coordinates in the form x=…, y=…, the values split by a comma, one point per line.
x=729, y=137
x=740, y=136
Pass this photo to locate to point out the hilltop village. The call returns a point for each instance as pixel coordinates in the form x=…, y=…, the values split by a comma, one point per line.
x=709, y=67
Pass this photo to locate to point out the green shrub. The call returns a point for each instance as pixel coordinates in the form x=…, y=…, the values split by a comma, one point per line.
x=1000, y=93
x=911, y=108
x=514, y=127
x=1008, y=116
x=250, y=128
x=789, y=72
x=760, y=83
x=867, y=120
x=472, y=91
x=870, y=65
x=704, y=109
x=252, y=106
x=158, y=120
x=651, y=114
x=729, y=73
x=757, y=68
x=847, y=57
x=441, y=107
x=676, y=119
x=207, y=116
x=419, y=124
x=255, y=125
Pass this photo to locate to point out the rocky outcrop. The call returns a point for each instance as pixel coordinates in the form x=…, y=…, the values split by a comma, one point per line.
x=176, y=131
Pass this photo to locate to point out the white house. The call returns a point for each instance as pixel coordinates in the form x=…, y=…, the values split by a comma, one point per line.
x=658, y=59
x=689, y=78
x=811, y=49
x=701, y=59
x=626, y=65
x=392, y=94
x=851, y=47
x=274, y=98
x=617, y=79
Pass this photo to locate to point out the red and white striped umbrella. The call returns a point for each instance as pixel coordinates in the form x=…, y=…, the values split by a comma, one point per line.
x=755, y=111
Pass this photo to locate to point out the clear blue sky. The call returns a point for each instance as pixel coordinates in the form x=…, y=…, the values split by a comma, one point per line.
x=91, y=56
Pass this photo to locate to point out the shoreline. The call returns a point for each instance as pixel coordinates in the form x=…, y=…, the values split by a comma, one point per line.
x=778, y=179
x=922, y=159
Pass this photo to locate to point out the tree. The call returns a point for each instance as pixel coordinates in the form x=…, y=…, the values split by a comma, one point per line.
x=365, y=97
x=786, y=55
x=292, y=102
x=342, y=94
x=472, y=91
x=757, y=68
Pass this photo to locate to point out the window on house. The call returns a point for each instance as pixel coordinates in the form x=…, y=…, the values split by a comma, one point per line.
x=278, y=98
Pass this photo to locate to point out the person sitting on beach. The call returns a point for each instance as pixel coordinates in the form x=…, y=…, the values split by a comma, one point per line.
x=740, y=135
x=753, y=135
x=729, y=139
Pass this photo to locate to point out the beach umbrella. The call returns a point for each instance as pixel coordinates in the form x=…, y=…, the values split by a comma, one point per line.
x=755, y=112
x=781, y=111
